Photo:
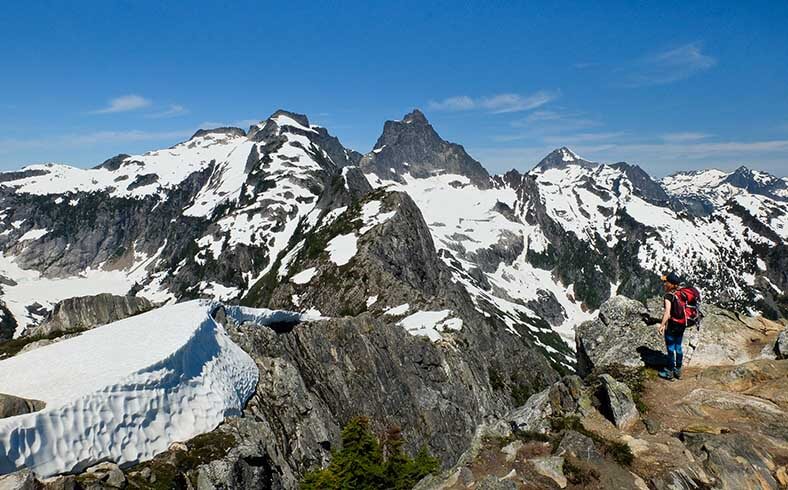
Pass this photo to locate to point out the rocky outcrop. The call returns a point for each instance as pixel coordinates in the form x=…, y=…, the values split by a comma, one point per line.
x=104, y=475
x=617, y=402
x=7, y=322
x=730, y=435
x=562, y=398
x=87, y=312
x=21, y=480
x=11, y=405
x=625, y=334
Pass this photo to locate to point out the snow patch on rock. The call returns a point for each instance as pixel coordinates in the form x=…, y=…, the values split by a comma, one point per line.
x=304, y=276
x=397, y=310
x=430, y=323
x=342, y=248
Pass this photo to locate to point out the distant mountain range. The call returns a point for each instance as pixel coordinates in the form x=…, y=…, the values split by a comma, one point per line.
x=279, y=216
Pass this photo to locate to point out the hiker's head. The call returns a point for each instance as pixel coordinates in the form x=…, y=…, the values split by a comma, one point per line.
x=670, y=281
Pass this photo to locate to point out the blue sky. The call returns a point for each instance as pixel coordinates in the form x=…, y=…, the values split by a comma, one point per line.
x=667, y=85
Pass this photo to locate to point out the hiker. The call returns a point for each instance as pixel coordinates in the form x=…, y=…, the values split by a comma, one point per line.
x=681, y=311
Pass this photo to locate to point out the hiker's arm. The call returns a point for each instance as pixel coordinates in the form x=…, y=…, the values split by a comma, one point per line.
x=665, y=318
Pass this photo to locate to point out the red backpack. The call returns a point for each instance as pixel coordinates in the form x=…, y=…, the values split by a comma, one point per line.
x=685, y=309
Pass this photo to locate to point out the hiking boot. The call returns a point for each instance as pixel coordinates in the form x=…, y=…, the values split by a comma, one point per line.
x=665, y=374
x=677, y=373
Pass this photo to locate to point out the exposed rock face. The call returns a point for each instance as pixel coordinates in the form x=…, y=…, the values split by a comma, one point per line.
x=13, y=405
x=113, y=163
x=625, y=333
x=644, y=185
x=317, y=376
x=758, y=183
x=781, y=346
x=90, y=311
x=412, y=146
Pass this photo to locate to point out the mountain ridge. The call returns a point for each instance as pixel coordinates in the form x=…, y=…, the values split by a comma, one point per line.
x=230, y=167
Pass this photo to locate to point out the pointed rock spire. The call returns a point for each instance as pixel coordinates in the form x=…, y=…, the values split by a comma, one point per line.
x=412, y=146
x=415, y=116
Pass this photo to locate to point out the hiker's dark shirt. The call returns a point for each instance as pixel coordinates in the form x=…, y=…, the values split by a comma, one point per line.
x=674, y=327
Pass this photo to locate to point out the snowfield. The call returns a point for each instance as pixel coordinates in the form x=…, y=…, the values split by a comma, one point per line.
x=430, y=324
x=127, y=390
x=463, y=216
x=171, y=166
x=30, y=287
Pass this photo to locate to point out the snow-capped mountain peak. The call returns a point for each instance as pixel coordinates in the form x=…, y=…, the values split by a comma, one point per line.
x=561, y=157
x=568, y=155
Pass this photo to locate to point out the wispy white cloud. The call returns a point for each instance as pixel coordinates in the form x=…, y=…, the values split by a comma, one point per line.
x=555, y=119
x=457, y=103
x=124, y=103
x=685, y=136
x=100, y=137
x=693, y=150
x=538, y=116
x=542, y=124
x=241, y=123
x=671, y=65
x=571, y=139
x=562, y=139
x=496, y=104
x=245, y=123
x=658, y=158
x=172, y=111
x=76, y=140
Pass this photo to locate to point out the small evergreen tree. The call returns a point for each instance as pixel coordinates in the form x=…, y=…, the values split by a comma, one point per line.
x=365, y=463
x=397, y=463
